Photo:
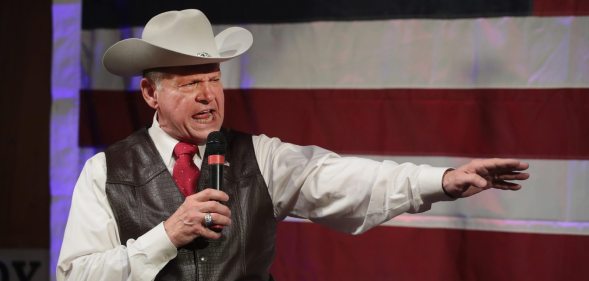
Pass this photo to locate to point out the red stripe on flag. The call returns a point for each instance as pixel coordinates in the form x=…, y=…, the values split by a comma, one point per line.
x=560, y=8
x=311, y=252
x=492, y=122
x=538, y=123
x=109, y=116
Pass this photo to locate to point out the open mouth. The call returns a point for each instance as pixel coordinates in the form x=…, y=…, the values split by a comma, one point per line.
x=204, y=116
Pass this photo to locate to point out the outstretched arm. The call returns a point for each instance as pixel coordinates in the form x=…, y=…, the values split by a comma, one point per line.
x=482, y=174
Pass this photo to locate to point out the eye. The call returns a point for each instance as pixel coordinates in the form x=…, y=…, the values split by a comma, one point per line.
x=188, y=87
x=192, y=83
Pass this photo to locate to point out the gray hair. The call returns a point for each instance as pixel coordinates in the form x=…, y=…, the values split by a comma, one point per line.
x=154, y=76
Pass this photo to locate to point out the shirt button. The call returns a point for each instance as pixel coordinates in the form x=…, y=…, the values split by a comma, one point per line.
x=203, y=259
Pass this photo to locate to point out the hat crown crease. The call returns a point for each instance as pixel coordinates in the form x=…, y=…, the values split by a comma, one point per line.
x=179, y=31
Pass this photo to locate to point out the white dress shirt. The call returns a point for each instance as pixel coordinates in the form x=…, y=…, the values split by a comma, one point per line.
x=345, y=193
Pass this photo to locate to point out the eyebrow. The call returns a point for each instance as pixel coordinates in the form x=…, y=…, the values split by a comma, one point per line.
x=198, y=80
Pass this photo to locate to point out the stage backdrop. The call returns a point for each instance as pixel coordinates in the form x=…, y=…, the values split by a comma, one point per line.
x=438, y=82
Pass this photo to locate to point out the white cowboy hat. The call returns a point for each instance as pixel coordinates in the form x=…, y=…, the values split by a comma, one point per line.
x=176, y=38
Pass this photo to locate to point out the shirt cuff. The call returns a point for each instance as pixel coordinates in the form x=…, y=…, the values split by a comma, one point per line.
x=430, y=185
x=155, y=247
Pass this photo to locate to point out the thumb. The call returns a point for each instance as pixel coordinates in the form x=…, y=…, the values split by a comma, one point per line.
x=462, y=180
x=476, y=180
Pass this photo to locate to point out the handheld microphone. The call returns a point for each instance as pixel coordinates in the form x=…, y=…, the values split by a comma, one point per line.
x=215, y=152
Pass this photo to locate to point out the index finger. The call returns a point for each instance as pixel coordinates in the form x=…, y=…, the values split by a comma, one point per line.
x=210, y=194
x=505, y=164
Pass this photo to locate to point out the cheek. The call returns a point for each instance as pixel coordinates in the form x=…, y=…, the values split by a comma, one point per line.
x=178, y=101
x=221, y=105
x=175, y=108
x=221, y=101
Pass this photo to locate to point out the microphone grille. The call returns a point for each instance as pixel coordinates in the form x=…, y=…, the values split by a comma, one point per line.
x=216, y=143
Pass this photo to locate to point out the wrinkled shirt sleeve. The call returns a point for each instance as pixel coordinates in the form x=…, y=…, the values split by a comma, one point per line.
x=349, y=194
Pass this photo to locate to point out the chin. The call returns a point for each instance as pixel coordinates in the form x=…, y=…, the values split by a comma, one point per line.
x=201, y=135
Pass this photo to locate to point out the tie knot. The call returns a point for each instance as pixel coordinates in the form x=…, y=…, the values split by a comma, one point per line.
x=185, y=148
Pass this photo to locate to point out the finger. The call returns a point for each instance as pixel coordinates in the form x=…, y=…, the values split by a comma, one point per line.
x=505, y=185
x=495, y=165
x=219, y=223
x=512, y=176
x=471, y=179
x=221, y=220
x=522, y=166
x=207, y=233
x=214, y=207
x=499, y=164
x=478, y=166
x=197, y=212
x=208, y=195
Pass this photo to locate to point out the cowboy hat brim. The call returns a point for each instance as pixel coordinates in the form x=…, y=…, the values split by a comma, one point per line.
x=132, y=56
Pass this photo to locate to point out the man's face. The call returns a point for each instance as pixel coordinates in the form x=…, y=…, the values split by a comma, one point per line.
x=189, y=101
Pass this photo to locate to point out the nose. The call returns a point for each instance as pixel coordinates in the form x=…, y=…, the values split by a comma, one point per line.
x=205, y=93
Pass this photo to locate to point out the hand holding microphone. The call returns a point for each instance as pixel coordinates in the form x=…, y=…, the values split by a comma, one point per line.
x=211, y=214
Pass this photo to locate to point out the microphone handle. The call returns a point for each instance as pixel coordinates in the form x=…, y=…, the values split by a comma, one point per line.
x=216, y=176
x=216, y=162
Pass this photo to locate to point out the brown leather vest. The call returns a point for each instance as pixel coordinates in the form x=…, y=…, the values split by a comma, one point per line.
x=142, y=194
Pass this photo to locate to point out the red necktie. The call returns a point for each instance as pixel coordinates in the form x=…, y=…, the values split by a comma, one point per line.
x=185, y=173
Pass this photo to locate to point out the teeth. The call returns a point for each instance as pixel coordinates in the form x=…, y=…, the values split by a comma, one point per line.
x=204, y=120
x=199, y=117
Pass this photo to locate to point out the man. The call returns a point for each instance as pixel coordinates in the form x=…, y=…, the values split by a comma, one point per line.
x=135, y=215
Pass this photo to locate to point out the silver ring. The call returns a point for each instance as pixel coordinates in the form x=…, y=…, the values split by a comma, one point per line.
x=208, y=220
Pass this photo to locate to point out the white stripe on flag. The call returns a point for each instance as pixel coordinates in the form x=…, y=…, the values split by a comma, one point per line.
x=520, y=52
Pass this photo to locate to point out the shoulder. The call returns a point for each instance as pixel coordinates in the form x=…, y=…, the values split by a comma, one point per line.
x=263, y=141
x=93, y=175
x=96, y=163
x=139, y=136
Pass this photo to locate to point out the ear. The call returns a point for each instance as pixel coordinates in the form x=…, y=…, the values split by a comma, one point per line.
x=148, y=91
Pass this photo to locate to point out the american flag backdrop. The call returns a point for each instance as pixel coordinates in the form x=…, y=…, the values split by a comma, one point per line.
x=437, y=82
